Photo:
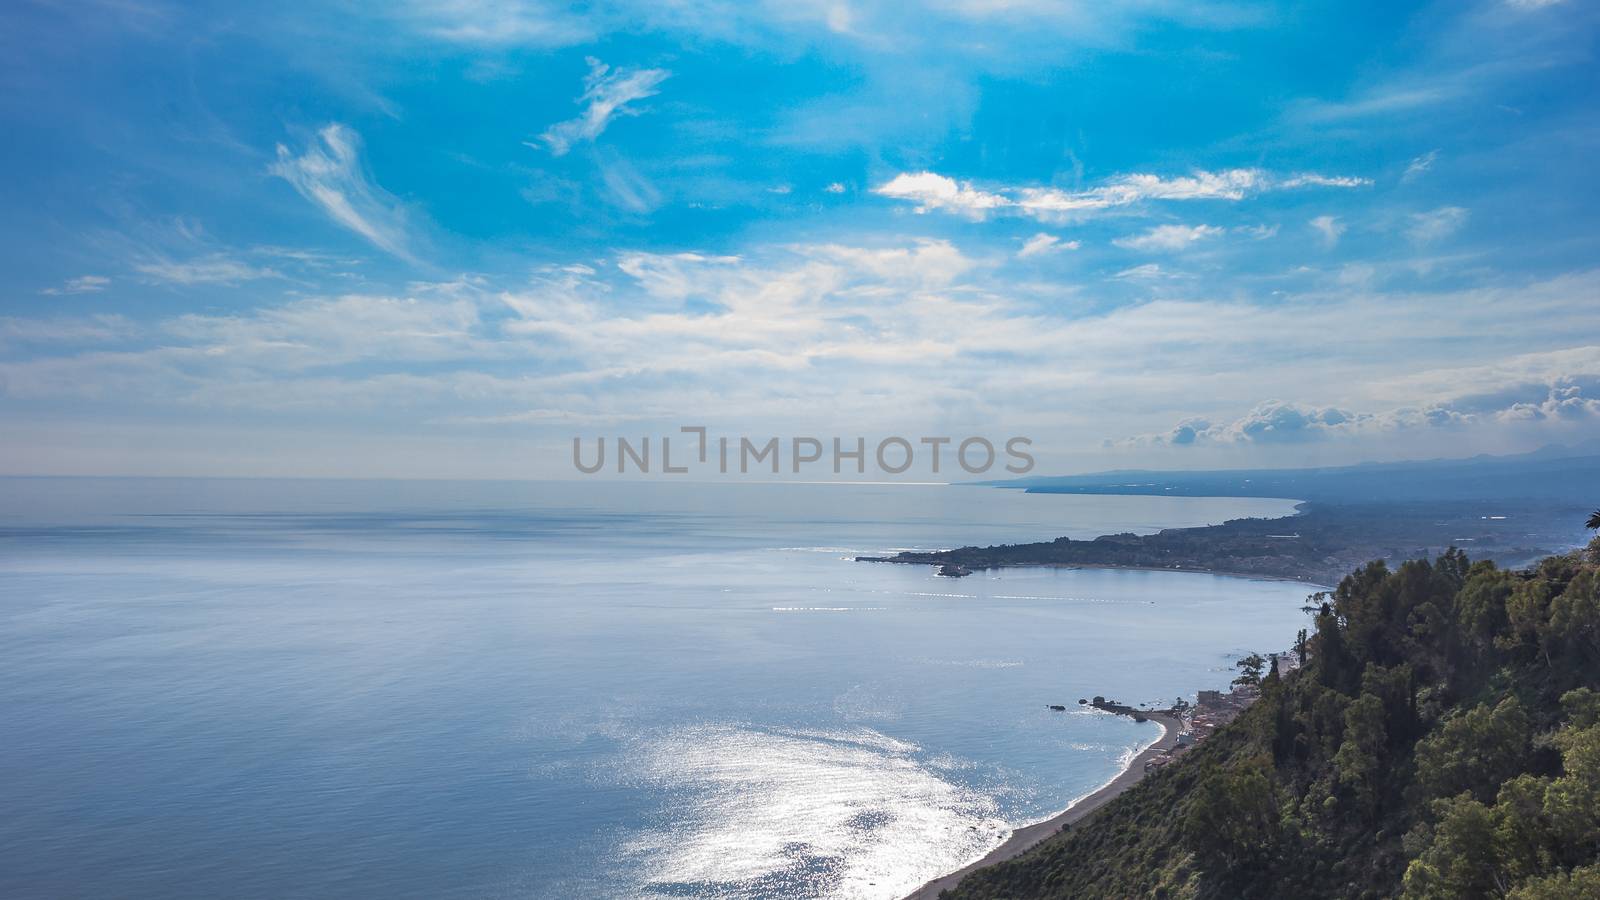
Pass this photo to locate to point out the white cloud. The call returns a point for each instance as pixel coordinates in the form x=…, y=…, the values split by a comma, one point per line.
x=1330, y=228
x=835, y=188
x=1169, y=238
x=1532, y=4
x=671, y=276
x=1485, y=379
x=1417, y=167
x=82, y=284
x=1314, y=180
x=606, y=93
x=1043, y=244
x=541, y=417
x=80, y=330
x=1436, y=225
x=1385, y=101
x=322, y=332
x=1258, y=232
x=1145, y=272
x=889, y=331
x=1271, y=422
x=1232, y=184
x=1563, y=398
x=329, y=174
x=623, y=185
x=213, y=269
x=925, y=262
x=497, y=22
x=932, y=191
x=973, y=31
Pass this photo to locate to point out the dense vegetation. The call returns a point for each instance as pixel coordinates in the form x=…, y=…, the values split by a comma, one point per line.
x=1441, y=741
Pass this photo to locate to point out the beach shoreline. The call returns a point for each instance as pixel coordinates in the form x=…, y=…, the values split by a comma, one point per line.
x=1026, y=838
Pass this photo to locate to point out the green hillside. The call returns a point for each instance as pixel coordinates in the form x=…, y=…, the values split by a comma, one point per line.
x=1441, y=741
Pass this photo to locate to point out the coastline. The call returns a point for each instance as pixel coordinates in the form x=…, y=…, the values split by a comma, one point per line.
x=1306, y=579
x=1196, y=570
x=1026, y=838
x=1319, y=544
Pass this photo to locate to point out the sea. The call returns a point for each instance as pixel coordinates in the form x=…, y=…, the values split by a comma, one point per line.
x=385, y=689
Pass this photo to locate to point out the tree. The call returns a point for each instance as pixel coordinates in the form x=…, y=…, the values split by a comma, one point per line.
x=1329, y=651
x=1480, y=607
x=1474, y=751
x=1232, y=822
x=1442, y=740
x=1572, y=633
x=1594, y=520
x=1572, y=802
x=1251, y=668
x=1460, y=860
x=1579, y=884
x=1582, y=707
x=1524, y=841
x=1360, y=760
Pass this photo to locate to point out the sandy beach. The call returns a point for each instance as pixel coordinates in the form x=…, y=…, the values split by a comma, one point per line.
x=1024, y=839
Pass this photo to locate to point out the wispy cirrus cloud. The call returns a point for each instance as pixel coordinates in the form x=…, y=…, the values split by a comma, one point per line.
x=1043, y=244
x=1436, y=225
x=1144, y=272
x=1329, y=228
x=606, y=94
x=63, y=330
x=329, y=173
x=1532, y=4
x=932, y=191
x=1314, y=180
x=82, y=284
x=323, y=332
x=1170, y=238
x=622, y=185
x=1419, y=166
x=497, y=23
x=215, y=268
x=983, y=31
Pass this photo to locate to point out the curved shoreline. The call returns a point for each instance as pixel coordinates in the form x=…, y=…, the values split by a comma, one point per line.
x=1026, y=838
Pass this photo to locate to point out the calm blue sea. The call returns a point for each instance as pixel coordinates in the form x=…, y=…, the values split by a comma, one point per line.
x=282, y=689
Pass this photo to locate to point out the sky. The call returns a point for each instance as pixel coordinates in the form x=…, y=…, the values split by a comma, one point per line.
x=444, y=238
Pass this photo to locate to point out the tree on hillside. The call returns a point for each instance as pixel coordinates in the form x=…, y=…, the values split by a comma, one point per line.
x=1232, y=823
x=1594, y=520
x=1441, y=741
x=1251, y=668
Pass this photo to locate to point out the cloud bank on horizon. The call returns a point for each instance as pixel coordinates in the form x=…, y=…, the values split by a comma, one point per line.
x=441, y=239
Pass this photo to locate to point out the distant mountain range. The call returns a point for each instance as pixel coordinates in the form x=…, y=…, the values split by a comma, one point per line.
x=1554, y=474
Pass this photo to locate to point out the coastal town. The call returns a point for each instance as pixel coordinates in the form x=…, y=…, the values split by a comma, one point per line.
x=1185, y=725
x=1195, y=722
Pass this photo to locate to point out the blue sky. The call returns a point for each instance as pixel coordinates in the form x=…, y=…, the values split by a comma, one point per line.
x=443, y=237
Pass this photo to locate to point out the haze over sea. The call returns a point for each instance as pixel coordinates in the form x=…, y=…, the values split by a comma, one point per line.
x=428, y=689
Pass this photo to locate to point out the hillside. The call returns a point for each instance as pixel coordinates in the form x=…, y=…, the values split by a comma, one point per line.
x=1442, y=740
